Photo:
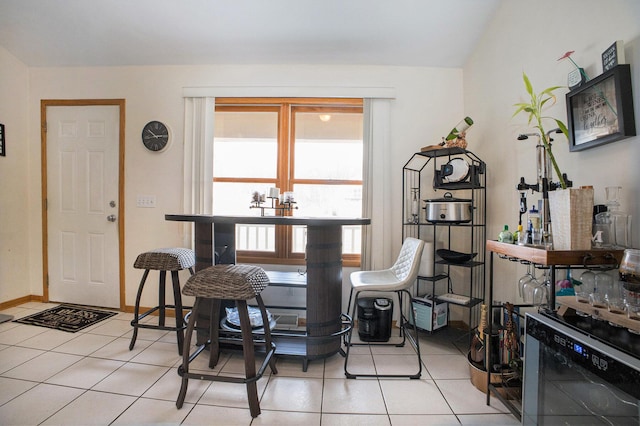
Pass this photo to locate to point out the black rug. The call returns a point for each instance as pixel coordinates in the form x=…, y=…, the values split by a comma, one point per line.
x=67, y=318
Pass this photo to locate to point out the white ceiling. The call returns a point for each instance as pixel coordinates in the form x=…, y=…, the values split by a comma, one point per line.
x=439, y=33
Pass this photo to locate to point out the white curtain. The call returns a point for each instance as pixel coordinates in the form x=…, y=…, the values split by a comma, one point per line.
x=377, y=185
x=198, y=164
x=198, y=155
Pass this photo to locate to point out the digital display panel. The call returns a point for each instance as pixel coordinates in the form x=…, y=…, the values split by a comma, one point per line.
x=577, y=348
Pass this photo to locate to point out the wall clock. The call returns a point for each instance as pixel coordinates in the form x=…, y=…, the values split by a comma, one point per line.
x=155, y=136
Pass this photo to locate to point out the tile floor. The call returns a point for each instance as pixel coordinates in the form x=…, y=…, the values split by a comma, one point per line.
x=50, y=377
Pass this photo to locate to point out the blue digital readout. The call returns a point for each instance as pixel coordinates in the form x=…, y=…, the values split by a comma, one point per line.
x=577, y=348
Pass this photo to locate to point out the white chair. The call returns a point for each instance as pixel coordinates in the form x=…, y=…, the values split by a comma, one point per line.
x=398, y=279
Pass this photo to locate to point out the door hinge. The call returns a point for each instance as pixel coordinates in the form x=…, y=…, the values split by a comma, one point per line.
x=44, y=127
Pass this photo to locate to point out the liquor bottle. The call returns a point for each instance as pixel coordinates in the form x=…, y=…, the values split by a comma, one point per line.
x=511, y=344
x=477, y=353
x=505, y=236
x=462, y=126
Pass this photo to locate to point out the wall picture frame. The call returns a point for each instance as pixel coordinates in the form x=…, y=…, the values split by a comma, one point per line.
x=601, y=110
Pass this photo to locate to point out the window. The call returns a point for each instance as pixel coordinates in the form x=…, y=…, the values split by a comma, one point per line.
x=313, y=147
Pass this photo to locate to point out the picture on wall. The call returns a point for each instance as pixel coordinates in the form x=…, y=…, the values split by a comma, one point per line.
x=601, y=110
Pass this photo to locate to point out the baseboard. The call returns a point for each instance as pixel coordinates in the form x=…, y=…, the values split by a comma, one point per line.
x=19, y=301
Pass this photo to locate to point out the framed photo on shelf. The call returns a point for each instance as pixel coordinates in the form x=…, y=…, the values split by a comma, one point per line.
x=600, y=111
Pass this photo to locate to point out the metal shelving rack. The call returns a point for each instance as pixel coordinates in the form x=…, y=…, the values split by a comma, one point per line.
x=423, y=173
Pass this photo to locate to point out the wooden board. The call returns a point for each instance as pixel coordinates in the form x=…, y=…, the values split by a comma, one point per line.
x=431, y=147
x=600, y=313
x=540, y=256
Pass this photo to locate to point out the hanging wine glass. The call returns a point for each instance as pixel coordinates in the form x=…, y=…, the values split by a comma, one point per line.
x=525, y=278
x=541, y=291
x=528, y=288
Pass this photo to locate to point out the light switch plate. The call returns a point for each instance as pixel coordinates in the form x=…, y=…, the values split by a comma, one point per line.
x=146, y=201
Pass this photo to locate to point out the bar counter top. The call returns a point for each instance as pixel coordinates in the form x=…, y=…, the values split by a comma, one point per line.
x=269, y=220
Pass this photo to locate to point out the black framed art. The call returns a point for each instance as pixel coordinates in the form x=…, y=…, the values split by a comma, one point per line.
x=3, y=151
x=600, y=111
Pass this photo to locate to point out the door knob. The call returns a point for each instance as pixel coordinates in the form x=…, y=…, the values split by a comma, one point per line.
x=111, y=218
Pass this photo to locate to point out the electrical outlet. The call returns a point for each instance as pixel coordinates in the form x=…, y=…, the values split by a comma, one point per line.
x=146, y=201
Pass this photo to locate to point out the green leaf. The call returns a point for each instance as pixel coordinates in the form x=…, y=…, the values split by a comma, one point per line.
x=521, y=108
x=527, y=84
x=550, y=90
x=545, y=101
x=562, y=127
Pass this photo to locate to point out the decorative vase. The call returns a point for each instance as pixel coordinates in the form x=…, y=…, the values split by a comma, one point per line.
x=571, y=218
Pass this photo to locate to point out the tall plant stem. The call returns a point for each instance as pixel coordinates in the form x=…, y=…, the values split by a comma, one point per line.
x=547, y=147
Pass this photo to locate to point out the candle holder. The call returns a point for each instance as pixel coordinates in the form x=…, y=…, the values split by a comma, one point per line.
x=280, y=204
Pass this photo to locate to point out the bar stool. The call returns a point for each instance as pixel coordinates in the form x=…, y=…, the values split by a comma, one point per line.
x=163, y=260
x=228, y=282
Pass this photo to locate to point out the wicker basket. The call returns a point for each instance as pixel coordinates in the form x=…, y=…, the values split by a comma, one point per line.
x=571, y=218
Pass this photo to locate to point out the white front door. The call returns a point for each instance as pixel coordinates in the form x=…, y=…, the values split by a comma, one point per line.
x=82, y=204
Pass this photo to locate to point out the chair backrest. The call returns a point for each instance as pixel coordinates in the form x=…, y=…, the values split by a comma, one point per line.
x=408, y=263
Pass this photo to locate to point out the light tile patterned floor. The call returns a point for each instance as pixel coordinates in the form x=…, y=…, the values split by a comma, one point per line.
x=50, y=377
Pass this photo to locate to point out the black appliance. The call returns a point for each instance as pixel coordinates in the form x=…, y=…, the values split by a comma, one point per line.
x=579, y=371
x=374, y=319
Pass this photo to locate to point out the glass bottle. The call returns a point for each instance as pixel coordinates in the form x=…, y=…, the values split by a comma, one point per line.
x=505, y=236
x=462, y=126
x=617, y=229
x=520, y=237
x=534, y=218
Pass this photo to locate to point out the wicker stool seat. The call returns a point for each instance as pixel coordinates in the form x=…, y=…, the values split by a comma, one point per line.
x=162, y=260
x=229, y=282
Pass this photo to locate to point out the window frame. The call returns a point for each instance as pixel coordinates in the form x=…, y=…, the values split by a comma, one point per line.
x=286, y=108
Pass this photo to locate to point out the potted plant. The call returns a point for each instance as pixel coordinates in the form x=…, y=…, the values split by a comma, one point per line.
x=535, y=108
x=570, y=209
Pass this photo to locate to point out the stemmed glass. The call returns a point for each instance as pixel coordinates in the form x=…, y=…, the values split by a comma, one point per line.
x=529, y=286
x=525, y=278
x=541, y=292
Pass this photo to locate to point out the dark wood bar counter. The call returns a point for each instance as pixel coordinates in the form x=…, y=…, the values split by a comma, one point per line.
x=323, y=260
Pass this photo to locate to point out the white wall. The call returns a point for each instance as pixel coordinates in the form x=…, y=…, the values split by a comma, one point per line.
x=15, y=167
x=428, y=102
x=530, y=36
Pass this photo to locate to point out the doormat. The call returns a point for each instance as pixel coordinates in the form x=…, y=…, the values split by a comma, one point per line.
x=66, y=318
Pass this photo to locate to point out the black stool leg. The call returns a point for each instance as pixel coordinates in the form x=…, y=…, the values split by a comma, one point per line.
x=136, y=310
x=162, y=303
x=267, y=333
x=177, y=300
x=214, y=333
x=249, y=357
x=184, y=368
x=350, y=333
